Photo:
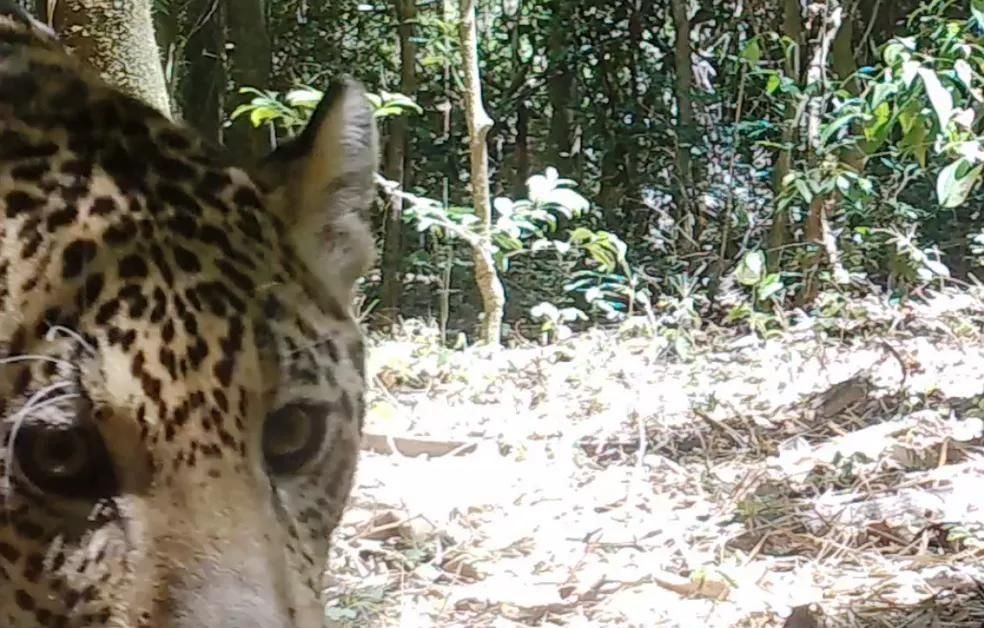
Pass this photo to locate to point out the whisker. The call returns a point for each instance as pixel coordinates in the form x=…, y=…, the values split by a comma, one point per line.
x=13, y=359
x=71, y=333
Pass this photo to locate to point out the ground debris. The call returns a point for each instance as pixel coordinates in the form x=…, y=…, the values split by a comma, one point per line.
x=828, y=477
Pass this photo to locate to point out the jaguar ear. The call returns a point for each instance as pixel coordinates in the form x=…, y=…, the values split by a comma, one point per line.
x=322, y=183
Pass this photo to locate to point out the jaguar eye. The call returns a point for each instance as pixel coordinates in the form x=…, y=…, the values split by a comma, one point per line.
x=67, y=460
x=293, y=435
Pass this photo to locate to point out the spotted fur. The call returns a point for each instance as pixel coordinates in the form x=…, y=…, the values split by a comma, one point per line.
x=181, y=378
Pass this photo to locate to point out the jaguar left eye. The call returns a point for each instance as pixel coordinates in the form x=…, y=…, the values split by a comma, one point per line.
x=67, y=461
x=293, y=436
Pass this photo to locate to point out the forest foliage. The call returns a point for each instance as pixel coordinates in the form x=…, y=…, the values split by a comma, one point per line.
x=685, y=162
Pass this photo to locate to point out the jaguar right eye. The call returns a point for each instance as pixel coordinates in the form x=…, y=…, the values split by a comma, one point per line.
x=293, y=435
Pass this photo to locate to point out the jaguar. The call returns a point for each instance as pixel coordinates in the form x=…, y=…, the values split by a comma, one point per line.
x=181, y=372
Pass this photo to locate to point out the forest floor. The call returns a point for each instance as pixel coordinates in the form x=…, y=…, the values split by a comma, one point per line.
x=828, y=476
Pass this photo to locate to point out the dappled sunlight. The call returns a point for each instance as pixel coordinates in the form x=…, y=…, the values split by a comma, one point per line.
x=610, y=483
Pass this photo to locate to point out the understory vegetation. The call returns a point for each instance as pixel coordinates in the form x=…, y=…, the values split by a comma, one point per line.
x=834, y=150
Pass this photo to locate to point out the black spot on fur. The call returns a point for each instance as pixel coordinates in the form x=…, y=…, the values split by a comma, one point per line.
x=76, y=255
x=61, y=218
x=132, y=267
x=121, y=232
x=103, y=206
x=186, y=260
x=20, y=202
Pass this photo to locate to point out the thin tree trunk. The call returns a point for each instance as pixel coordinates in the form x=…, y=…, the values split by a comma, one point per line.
x=612, y=184
x=521, y=148
x=167, y=27
x=818, y=230
x=845, y=67
x=521, y=153
x=685, y=124
x=479, y=123
x=396, y=168
x=559, y=84
x=451, y=165
x=204, y=84
x=117, y=38
x=250, y=65
x=792, y=27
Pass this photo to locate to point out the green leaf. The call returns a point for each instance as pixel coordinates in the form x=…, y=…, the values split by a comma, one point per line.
x=964, y=72
x=752, y=52
x=894, y=52
x=773, y=83
x=915, y=140
x=844, y=182
x=257, y=92
x=845, y=185
x=941, y=99
x=568, y=199
x=910, y=70
x=572, y=314
x=936, y=267
x=503, y=205
x=750, y=269
x=402, y=100
x=977, y=10
x=385, y=111
x=241, y=109
x=738, y=313
x=836, y=125
x=881, y=92
x=804, y=189
x=544, y=310
x=260, y=115
x=304, y=97
x=539, y=186
x=879, y=127
x=955, y=182
x=769, y=286
x=909, y=114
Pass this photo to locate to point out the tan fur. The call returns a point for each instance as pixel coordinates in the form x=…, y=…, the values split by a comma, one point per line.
x=168, y=309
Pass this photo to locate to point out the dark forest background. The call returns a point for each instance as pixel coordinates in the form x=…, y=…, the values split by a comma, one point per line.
x=681, y=161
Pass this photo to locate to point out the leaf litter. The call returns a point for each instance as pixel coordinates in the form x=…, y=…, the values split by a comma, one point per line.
x=828, y=476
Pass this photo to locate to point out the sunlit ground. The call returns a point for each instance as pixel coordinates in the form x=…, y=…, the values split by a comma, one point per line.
x=832, y=473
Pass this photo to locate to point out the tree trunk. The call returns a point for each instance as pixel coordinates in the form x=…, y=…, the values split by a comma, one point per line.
x=117, y=38
x=170, y=38
x=521, y=147
x=396, y=168
x=792, y=28
x=845, y=67
x=612, y=185
x=559, y=84
x=205, y=81
x=685, y=125
x=521, y=153
x=250, y=61
x=479, y=123
x=822, y=207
